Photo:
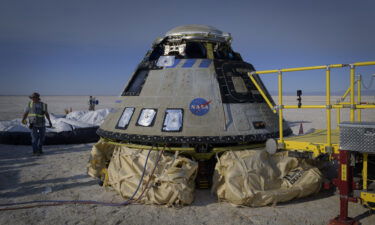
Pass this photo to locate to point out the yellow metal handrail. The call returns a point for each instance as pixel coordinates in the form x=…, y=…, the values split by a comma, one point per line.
x=316, y=147
x=301, y=69
x=262, y=93
x=353, y=105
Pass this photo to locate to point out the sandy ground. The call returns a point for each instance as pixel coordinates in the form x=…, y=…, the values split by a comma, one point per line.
x=61, y=174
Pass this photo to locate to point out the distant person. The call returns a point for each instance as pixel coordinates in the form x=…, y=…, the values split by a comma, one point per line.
x=92, y=103
x=35, y=111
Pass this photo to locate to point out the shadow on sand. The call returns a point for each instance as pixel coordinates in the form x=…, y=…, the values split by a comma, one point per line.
x=320, y=195
x=37, y=187
x=14, y=159
x=364, y=215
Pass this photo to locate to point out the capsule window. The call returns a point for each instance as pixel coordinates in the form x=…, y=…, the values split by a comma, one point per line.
x=125, y=118
x=239, y=85
x=259, y=125
x=173, y=120
x=147, y=117
x=136, y=83
x=195, y=50
x=235, y=85
x=156, y=53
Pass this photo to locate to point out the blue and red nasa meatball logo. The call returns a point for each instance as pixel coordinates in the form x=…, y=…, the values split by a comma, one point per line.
x=200, y=106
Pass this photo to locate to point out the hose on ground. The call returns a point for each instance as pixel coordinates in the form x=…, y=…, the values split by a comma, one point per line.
x=145, y=190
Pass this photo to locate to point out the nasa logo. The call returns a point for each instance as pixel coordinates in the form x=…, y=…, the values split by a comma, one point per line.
x=200, y=106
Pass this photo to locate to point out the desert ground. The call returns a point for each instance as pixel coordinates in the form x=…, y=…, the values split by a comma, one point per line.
x=60, y=174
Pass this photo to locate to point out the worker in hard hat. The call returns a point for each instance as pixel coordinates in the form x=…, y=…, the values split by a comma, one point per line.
x=35, y=111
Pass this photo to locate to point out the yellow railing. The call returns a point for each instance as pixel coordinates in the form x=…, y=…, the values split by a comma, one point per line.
x=353, y=105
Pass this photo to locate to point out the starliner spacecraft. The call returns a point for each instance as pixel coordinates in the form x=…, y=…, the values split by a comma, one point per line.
x=192, y=90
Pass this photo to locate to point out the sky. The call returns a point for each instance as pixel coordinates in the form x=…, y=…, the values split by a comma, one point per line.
x=91, y=47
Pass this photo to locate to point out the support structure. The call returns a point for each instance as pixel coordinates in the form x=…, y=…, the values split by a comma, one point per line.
x=327, y=141
x=328, y=108
x=328, y=146
x=359, y=80
x=344, y=185
x=280, y=107
x=352, y=100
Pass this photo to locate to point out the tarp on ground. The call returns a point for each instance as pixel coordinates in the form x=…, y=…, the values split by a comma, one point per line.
x=76, y=136
x=256, y=178
x=75, y=127
x=173, y=182
x=69, y=122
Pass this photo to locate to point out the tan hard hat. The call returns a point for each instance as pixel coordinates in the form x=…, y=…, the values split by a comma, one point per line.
x=35, y=95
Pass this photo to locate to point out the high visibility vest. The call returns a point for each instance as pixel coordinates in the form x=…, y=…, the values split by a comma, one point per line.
x=36, y=114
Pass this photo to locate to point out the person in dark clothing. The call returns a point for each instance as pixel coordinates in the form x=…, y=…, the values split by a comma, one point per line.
x=92, y=103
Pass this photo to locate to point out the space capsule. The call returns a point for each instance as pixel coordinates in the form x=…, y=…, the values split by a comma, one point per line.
x=192, y=90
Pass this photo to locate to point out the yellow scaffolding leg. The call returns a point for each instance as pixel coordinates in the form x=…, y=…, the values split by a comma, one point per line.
x=352, y=105
x=328, y=106
x=364, y=170
x=359, y=97
x=280, y=79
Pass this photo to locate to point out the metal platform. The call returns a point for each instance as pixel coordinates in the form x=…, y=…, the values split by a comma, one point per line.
x=355, y=136
x=358, y=136
x=315, y=142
